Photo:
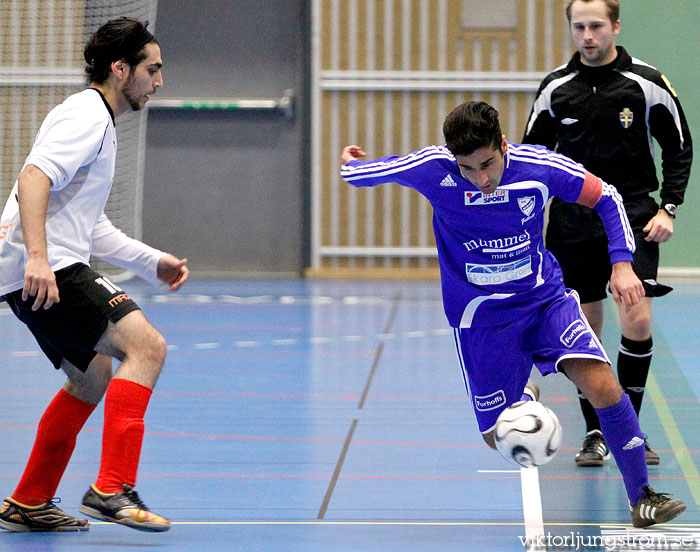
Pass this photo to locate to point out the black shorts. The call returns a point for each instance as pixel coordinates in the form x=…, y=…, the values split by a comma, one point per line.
x=71, y=328
x=586, y=264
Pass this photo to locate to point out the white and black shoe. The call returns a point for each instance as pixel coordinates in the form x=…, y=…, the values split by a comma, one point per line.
x=594, y=451
x=654, y=508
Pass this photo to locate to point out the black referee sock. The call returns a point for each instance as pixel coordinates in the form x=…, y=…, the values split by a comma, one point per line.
x=589, y=413
x=633, y=361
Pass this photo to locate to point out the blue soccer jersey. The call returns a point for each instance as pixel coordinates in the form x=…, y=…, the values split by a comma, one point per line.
x=493, y=264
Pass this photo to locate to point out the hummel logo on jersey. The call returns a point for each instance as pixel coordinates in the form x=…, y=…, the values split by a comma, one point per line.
x=634, y=442
x=569, y=121
x=448, y=181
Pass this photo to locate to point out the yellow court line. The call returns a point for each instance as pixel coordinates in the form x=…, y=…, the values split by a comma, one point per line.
x=410, y=523
x=675, y=438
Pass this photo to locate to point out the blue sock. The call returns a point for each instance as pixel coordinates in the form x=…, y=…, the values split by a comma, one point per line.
x=624, y=438
x=526, y=397
x=528, y=393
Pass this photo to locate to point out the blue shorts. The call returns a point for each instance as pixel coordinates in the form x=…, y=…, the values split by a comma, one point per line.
x=496, y=361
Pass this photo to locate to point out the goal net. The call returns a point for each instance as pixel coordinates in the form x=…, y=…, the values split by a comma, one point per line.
x=41, y=63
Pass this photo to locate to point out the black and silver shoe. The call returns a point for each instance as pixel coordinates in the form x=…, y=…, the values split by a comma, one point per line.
x=47, y=517
x=125, y=508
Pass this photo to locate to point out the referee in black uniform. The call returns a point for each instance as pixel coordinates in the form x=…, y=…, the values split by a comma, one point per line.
x=602, y=109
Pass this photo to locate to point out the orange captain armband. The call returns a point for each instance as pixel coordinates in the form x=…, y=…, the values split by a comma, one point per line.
x=591, y=191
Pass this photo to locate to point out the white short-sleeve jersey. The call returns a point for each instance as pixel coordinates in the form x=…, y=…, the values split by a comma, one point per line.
x=76, y=148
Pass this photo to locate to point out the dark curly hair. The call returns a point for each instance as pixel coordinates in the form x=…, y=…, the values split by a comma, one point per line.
x=118, y=39
x=471, y=126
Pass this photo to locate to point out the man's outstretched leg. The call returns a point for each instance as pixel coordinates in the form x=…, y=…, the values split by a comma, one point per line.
x=112, y=496
x=620, y=426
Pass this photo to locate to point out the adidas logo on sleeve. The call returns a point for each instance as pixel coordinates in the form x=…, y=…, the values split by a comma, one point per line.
x=448, y=181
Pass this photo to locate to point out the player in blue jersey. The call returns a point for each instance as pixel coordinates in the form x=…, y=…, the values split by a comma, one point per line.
x=503, y=292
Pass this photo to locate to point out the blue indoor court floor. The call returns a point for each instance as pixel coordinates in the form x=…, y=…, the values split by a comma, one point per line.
x=310, y=415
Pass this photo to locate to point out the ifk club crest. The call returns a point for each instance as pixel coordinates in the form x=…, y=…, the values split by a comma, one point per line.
x=527, y=205
x=626, y=117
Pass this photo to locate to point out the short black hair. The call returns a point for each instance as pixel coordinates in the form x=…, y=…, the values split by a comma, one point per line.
x=118, y=39
x=472, y=126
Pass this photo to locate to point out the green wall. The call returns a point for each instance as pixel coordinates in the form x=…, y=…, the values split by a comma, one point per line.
x=664, y=33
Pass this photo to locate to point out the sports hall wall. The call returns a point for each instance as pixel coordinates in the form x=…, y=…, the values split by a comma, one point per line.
x=228, y=189
x=386, y=77
x=665, y=35
x=235, y=191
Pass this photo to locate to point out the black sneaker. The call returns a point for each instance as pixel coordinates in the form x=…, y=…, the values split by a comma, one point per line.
x=45, y=518
x=652, y=458
x=594, y=451
x=655, y=508
x=125, y=508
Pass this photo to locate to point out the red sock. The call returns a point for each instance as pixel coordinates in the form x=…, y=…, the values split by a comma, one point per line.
x=55, y=440
x=125, y=406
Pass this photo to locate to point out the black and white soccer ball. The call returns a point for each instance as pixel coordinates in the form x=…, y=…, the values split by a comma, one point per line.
x=528, y=434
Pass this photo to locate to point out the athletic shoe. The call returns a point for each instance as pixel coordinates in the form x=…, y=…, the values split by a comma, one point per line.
x=44, y=518
x=655, y=508
x=652, y=458
x=594, y=451
x=532, y=390
x=125, y=508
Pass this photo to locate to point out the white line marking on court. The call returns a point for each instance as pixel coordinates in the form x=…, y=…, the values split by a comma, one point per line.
x=246, y=300
x=532, y=507
x=283, y=299
x=322, y=340
x=497, y=471
x=206, y=345
x=25, y=354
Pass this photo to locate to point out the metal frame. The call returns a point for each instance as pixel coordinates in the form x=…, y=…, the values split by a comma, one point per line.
x=428, y=81
x=285, y=104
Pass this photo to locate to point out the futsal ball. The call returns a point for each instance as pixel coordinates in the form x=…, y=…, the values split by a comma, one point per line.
x=528, y=433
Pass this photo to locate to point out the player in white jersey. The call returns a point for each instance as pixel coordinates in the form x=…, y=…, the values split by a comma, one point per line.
x=502, y=290
x=52, y=223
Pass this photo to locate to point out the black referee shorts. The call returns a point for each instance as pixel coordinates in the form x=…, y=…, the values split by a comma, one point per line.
x=586, y=264
x=71, y=328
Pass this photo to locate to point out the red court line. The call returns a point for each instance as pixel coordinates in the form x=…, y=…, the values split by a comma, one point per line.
x=344, y=396
x=309, y=440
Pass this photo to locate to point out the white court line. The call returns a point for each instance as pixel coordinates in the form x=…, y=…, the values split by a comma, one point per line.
x=207, y=345
x=532, y=507
x=25, y=354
